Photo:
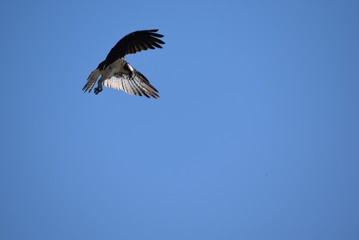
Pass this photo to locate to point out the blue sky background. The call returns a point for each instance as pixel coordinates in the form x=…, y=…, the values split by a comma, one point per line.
x=255, y=135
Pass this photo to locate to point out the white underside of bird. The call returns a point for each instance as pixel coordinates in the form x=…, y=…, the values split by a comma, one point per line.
x=121, y=75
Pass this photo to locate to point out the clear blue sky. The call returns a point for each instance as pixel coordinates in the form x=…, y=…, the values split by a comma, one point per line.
x=255, y=135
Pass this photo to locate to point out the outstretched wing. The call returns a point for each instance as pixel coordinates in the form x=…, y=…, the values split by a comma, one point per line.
x=137, y=85
x=133, y=43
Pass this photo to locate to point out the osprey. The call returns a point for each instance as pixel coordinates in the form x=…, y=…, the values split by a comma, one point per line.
x=118, y=74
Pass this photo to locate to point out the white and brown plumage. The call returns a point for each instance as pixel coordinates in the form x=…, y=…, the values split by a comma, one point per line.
x=118, y=74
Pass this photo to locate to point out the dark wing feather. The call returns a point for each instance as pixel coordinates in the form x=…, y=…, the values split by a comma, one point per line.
x=133, y=43
x=137, y=85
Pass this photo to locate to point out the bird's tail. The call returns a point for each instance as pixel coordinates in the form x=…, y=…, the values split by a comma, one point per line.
x=91, y=80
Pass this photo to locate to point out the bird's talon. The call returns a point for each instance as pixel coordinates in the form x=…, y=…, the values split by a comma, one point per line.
x=97, y=90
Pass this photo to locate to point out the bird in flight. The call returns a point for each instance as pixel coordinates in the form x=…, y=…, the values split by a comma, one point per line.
x=118, y=74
